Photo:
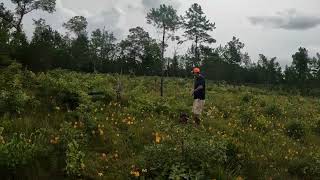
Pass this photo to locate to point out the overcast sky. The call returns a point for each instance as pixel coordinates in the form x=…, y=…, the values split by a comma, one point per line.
x=271, y=27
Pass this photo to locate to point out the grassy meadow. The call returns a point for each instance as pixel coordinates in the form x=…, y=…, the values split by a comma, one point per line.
x=68, y=125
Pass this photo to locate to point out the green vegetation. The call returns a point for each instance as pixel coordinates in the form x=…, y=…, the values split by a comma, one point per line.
x=62, y=118
x=63, y=124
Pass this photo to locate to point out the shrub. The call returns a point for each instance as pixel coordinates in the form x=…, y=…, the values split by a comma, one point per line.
x=233, y=163
x=246, y=98
x=17, y=152
x=13, y=97
x=225, y=113
x=11, y=76
x=317, y=128
x=262, y=124
x=161, y=107
x=295, y=129
x=273, y=110
x=5, y=61
x=191, y=158
x=14, y=101
x=262, y=103
x=247, y=117
x=69, y=132
x=74, y=159
x=210, y=88
x=299, y=167
x=307, y=167
x=101, y=96
x=69, y=99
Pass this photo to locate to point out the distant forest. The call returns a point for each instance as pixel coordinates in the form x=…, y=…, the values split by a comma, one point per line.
x=140, y=54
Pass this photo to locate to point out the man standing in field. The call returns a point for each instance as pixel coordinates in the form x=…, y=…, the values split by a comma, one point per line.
x=198, y=94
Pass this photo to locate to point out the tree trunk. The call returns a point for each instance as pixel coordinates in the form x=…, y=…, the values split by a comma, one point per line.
x=196, y=52
x=22, y=13
x=168, y=64
x=162, y=59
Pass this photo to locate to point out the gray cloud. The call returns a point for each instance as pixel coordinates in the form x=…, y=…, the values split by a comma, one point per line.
x=108, y=19
x=289, y=20
x=148, y=4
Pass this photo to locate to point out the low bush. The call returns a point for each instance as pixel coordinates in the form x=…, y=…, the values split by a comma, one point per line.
x=74, y=159
x=186, y=157
x=306, y=167
x=14, y=102
x=246, y=98
x=247, y=117
x=17, y=152
x=295, y=129
x=317, y=127
x=273, y=110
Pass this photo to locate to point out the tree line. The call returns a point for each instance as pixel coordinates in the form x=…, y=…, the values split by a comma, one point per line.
x=141, y=54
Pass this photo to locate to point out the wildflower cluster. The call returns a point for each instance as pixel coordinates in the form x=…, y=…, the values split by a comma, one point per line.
x=54, y=140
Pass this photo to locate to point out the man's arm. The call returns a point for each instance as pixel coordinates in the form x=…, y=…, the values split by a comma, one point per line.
x=198, y=88
x=200, y=85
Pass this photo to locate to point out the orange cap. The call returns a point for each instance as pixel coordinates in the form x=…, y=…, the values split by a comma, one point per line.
x=196, y=70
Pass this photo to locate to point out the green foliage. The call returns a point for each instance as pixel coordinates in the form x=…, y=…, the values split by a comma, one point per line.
x=296, y=129
x=262, y=124
x=161, y=106
x=77, y=25
x=247, y=117
x=317, y=128
x=17, y=152
x=13, y=102
x=243, y=131
x=247, y=97
x=305, y=167
x=164, y=18
x=270, y=70
x=232, y=52
x=13, y=98
x=197, y=28
x=185, y=157
x=139, y=46
x=5, y=23
x=24, y=7
x=197, y=25
x=300, y=63
x=300, y=167
x=69, y=132
x=74, y=159
x=103, y=47
x=273, y=110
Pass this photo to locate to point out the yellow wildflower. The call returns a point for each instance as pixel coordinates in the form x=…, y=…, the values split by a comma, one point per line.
x=2, y=140
x=135, y=173
x=104, y=155
x=101, y=132
x=83, y=166
x=158, y=138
